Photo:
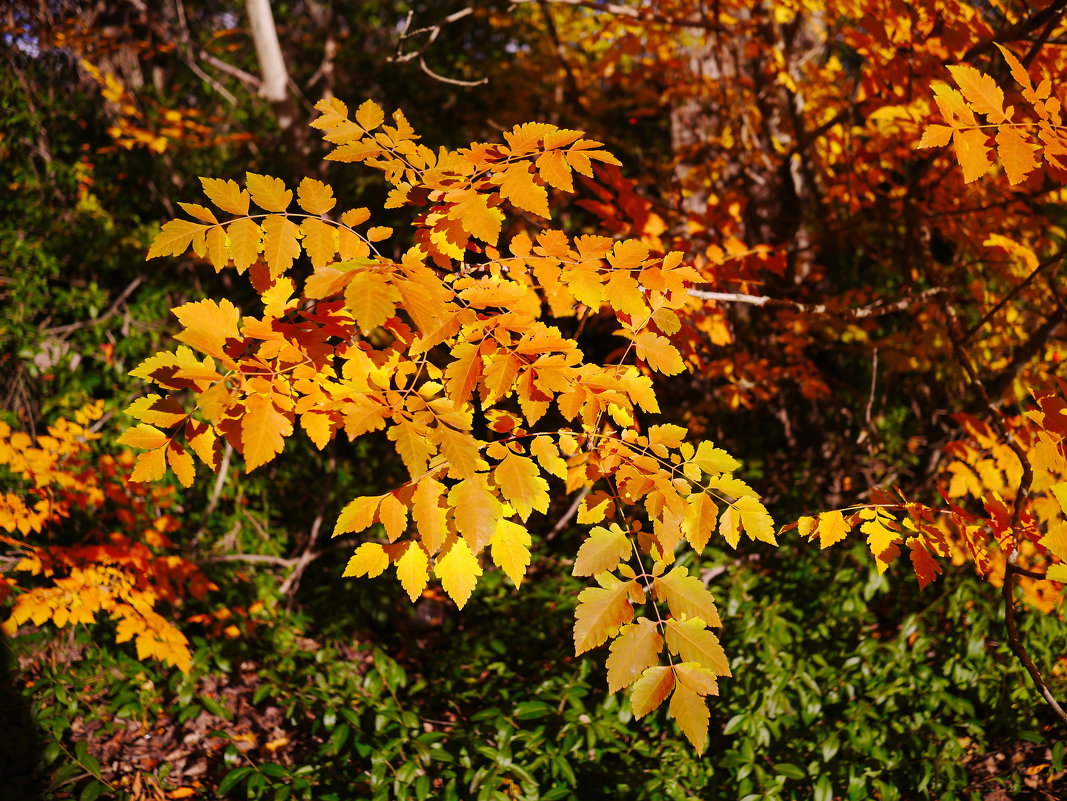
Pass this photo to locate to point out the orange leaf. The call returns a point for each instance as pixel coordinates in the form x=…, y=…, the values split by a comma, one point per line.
x=517, y=185
x=972, y=151
x=651, y=690
x=521, y=484
x=227, y=195
x=263, y=431
x=601, y=551
x=659, y=353
x=601, y=611
x=686, y=596
x=1016, y=153
x=268, y=193
x=981, y=91
x=691, y=640
x=315, y=197
x=637, y=647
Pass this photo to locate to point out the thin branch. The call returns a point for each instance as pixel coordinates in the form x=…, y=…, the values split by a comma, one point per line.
x=860, y=312
x=565, y=520
x=1050, y=261
x=453, y=81
x=111, y=311
x=247, y=78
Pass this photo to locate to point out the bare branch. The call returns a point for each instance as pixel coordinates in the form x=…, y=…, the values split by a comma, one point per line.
x=860, y=312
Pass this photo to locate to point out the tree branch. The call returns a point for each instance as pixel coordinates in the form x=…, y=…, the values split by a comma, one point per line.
x=860, y=312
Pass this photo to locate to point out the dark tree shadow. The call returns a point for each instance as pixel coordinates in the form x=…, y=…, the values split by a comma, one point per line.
x=21, y=778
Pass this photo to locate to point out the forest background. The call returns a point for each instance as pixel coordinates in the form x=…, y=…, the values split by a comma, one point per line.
x=871, y=323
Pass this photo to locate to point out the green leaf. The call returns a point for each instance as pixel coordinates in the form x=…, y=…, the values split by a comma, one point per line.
x=232, y=779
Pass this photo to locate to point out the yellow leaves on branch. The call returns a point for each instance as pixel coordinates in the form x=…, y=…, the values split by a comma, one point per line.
x=1014, y=141
x=447, y=348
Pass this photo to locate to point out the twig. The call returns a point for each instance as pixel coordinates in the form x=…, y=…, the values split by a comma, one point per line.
x=111, y=310
x=434, y=31
x=565, y=520
x=292, y=581
x=1051, y=260
x=860, y=312
x=247, y=78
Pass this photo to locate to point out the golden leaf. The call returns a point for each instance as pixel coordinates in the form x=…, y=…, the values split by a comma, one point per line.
x=369, y=115
x=369, y=559
x=263, y=431
x=413, y=570
x=281, y=245
x=181, y=462
x=371, y=299
x=521, y=484
x=227, y=195
x=686, y=596
x=429, y=515
x=687, y=705
x=319, y=242
x=651, y=690
x=972, y=151
x=601, y=551
x=601, y=611
x=637, y=648
x=244, y=243
x=692, y=641
x=700, y=518
x=981, y=91
x=268, y=193
x=509, y=548
x=458, y=570
x=208, y=325
x=315, y=197
x=1016, y=153
x=658, y=353
x=357, y=515
x=175, y=238
x=517, y=186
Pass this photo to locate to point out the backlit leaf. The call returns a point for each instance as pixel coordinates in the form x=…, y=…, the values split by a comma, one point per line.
x=637, y=647
x=651, y=690
x=602, y=551
x=458, y=570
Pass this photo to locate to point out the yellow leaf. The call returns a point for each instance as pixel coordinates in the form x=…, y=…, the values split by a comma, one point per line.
x=936, y=136
x=1016, y=153
x=371, y=299
x=700, y=518
x=477, y=218
x=268, y=193
x=686, y=596
x=429, y=515
x=688, y=707
x=319, y=243
x=368, y=560
x=175, y=238
x=1057, y=573
x=358, y=514
x=458, y=570
x=517, y=186
x=150, y=466
x=393, y=515
x=881, y=540
x=509, y=547
x=602, y=551
x=412, y=444
x=198, y=211
x=143, y=436
x=263, y=431
x=478, y=514
x=637, y=647
x=315, y=197
x=208, y=325
x=659, y=353
x=244, y=243
x=318, y=426
x=972, y=152
x=181, y=462
x=691, y=640
x=281, y=245
x=832, y=528
x=981, y=91
x=1018, y=71
x=748, y=513
x=227, y=195
x=547, y=454
x=691, y=713
x=413, y=570
x=217, y=253
x=554, y=170
x=460, y=448
x=369, y=115
x=651, y=690
x=601, y=611
x=521, y=484
x=463, y=372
